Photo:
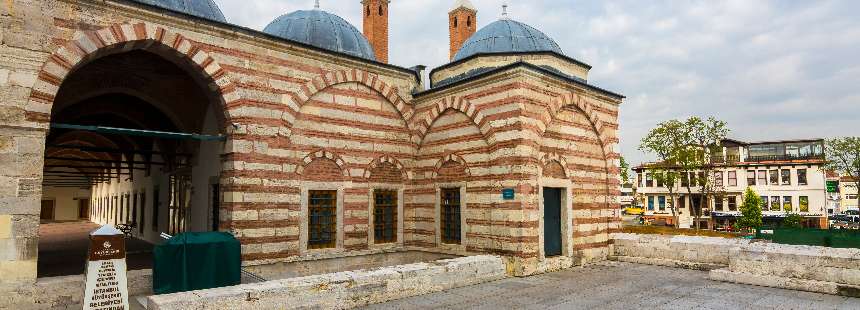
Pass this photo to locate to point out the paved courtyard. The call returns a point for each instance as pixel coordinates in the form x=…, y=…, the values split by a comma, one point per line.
x=615, y=285
x=63, y=249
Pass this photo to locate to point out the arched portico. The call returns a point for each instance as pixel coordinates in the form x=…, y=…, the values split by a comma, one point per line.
x=137, y=123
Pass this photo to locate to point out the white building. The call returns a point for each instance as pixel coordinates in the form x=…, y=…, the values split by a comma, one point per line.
x=788, y=175
x=848, y=194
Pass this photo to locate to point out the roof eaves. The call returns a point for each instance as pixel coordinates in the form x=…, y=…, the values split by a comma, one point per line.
x=454, y=63
x=258, y=33
x=514, y=65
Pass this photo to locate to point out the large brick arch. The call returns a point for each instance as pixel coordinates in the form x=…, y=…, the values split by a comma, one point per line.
x=571, y=98
x=423, y=123
x=332, y=78
x=89, y=45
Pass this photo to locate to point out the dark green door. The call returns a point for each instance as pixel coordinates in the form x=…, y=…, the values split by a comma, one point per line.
x=551, y=221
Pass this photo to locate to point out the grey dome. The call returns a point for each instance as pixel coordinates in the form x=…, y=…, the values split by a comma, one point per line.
x=321, y=29
x=201, y=8
x=507, y=36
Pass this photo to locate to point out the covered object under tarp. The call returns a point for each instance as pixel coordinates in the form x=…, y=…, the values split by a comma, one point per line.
x=196, y=260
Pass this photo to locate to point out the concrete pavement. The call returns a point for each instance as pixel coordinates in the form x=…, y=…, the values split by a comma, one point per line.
x=616, y=285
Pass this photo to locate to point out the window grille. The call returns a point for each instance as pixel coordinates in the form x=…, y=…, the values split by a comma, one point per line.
x=385, y=216
x=322, y=219
x=450, y=217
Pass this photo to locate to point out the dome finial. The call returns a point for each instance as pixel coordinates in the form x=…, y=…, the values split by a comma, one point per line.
x=317, y=4
x=504, y=10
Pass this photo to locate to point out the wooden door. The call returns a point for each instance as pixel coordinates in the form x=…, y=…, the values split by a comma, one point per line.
x=84, y=209
x=551, y=221
x=47, y=210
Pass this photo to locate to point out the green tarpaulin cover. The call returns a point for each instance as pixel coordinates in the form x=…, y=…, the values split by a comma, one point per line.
x=196, y=260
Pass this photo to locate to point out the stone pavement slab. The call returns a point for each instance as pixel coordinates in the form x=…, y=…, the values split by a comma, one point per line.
x=617, y=285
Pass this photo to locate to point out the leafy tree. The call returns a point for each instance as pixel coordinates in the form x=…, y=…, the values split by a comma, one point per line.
x=792, y=220
x=750, y=210
x=666, y=142
x=625, y=171
x=843, y=156
x=704, y=138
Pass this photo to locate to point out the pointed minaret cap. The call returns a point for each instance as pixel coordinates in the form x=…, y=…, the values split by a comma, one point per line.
x=465, y=4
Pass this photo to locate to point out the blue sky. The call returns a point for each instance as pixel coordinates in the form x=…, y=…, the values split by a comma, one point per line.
x=771, y=69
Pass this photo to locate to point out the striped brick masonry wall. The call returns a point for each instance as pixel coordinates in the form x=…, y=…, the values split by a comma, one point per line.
x=303, y=119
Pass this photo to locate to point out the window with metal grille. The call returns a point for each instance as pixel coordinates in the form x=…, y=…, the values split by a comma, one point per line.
x=450, y=217
x=322, y=219
x=384, y=216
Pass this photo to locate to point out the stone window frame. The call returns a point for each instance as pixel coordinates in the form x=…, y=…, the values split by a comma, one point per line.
x=567, y=215
x=371, y=216
x=305, y=188
x=437, y=216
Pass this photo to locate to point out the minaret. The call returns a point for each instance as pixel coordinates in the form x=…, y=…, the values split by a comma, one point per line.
x=462, y=20
x=376, y=27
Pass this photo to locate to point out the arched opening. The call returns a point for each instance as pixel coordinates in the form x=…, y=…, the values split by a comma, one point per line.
x=135, y=141
x=455, y=22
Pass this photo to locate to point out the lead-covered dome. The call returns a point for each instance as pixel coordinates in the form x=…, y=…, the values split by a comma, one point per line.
x=201, y=8
x=321, y=29
x=507, y=36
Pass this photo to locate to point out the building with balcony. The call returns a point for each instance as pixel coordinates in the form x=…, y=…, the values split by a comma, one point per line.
x=848, y=194
x=788, y=175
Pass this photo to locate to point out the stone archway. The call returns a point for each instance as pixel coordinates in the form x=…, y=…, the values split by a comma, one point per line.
x=91, y=49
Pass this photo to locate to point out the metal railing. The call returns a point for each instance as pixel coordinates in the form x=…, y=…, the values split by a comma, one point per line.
x=784, y=157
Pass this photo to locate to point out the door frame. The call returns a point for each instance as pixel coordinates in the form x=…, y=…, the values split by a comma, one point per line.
x=566, y=215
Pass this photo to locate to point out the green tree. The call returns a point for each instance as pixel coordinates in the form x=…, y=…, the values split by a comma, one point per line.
x=625, y=171
x=792, y=220
x=703, y=146
x=843, y=156
x=750, y=210
x=666, y=142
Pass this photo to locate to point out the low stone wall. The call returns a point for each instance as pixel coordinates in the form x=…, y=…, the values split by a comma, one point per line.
x=356, y=262
x=341, y=290
x=691, y=252
x=798, y=267
x=65, y=292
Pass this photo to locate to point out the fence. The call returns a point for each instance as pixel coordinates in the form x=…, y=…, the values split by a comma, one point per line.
x=834, y=238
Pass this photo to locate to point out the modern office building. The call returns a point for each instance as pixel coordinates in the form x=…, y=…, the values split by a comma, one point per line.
x=788, y=175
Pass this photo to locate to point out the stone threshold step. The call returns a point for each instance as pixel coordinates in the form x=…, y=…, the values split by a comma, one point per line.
x=832, y=288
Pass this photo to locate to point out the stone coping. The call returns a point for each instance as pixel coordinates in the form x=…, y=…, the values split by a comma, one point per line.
x=341, y=290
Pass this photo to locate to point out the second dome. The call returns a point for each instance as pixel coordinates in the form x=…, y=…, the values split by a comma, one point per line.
x=321, y=29
x=507, y=36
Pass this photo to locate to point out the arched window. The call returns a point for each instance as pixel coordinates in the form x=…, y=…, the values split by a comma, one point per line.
x=380, y=10
x=367, y=9
x=468, y=21
x=455, y=22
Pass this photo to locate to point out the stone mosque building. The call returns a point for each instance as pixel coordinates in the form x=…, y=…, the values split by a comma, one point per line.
x=300, y=139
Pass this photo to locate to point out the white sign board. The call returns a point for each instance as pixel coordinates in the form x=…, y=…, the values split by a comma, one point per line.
x=107, y=282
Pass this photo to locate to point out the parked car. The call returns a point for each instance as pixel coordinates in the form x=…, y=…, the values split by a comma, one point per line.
x=634, y=210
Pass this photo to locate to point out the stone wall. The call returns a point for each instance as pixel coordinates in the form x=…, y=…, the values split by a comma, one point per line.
x=692, y=252
x=341, y=290
x=292, y=108
x=63, y=292
x=798, y=267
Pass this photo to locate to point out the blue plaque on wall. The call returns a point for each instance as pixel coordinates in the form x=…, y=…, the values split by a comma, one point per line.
x=507, y=193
